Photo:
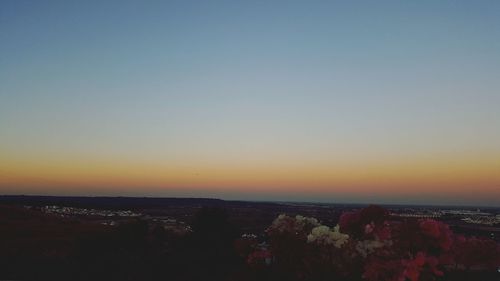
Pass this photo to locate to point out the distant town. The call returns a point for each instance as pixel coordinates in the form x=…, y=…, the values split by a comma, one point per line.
x=175, y=214
x=58, y=238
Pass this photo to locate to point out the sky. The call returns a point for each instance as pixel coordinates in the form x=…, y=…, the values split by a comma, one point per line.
x=331, y=101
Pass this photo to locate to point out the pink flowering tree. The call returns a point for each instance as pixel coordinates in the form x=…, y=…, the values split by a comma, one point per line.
x=370, y=244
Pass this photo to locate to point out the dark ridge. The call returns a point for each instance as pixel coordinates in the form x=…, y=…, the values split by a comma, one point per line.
x=106, y=202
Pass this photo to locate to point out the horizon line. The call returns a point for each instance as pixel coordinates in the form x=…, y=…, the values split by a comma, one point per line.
x=256, y=200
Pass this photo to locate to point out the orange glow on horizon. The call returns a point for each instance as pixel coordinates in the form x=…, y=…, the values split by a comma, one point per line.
x=465, y=176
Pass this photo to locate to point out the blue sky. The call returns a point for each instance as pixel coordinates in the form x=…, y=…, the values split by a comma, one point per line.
x=193, y=84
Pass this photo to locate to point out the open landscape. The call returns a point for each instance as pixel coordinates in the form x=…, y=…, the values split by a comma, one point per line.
x=126, y=238
x=247, y=140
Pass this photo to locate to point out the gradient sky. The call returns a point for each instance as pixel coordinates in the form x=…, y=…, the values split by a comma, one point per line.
x=355, y=101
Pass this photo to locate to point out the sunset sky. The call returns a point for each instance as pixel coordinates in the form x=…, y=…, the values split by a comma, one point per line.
x=352, y=101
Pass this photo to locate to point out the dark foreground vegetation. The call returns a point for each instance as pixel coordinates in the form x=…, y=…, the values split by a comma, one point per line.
x=211, y=244
x=39, y=247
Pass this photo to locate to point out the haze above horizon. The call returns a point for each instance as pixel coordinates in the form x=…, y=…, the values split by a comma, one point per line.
x=386, y=101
